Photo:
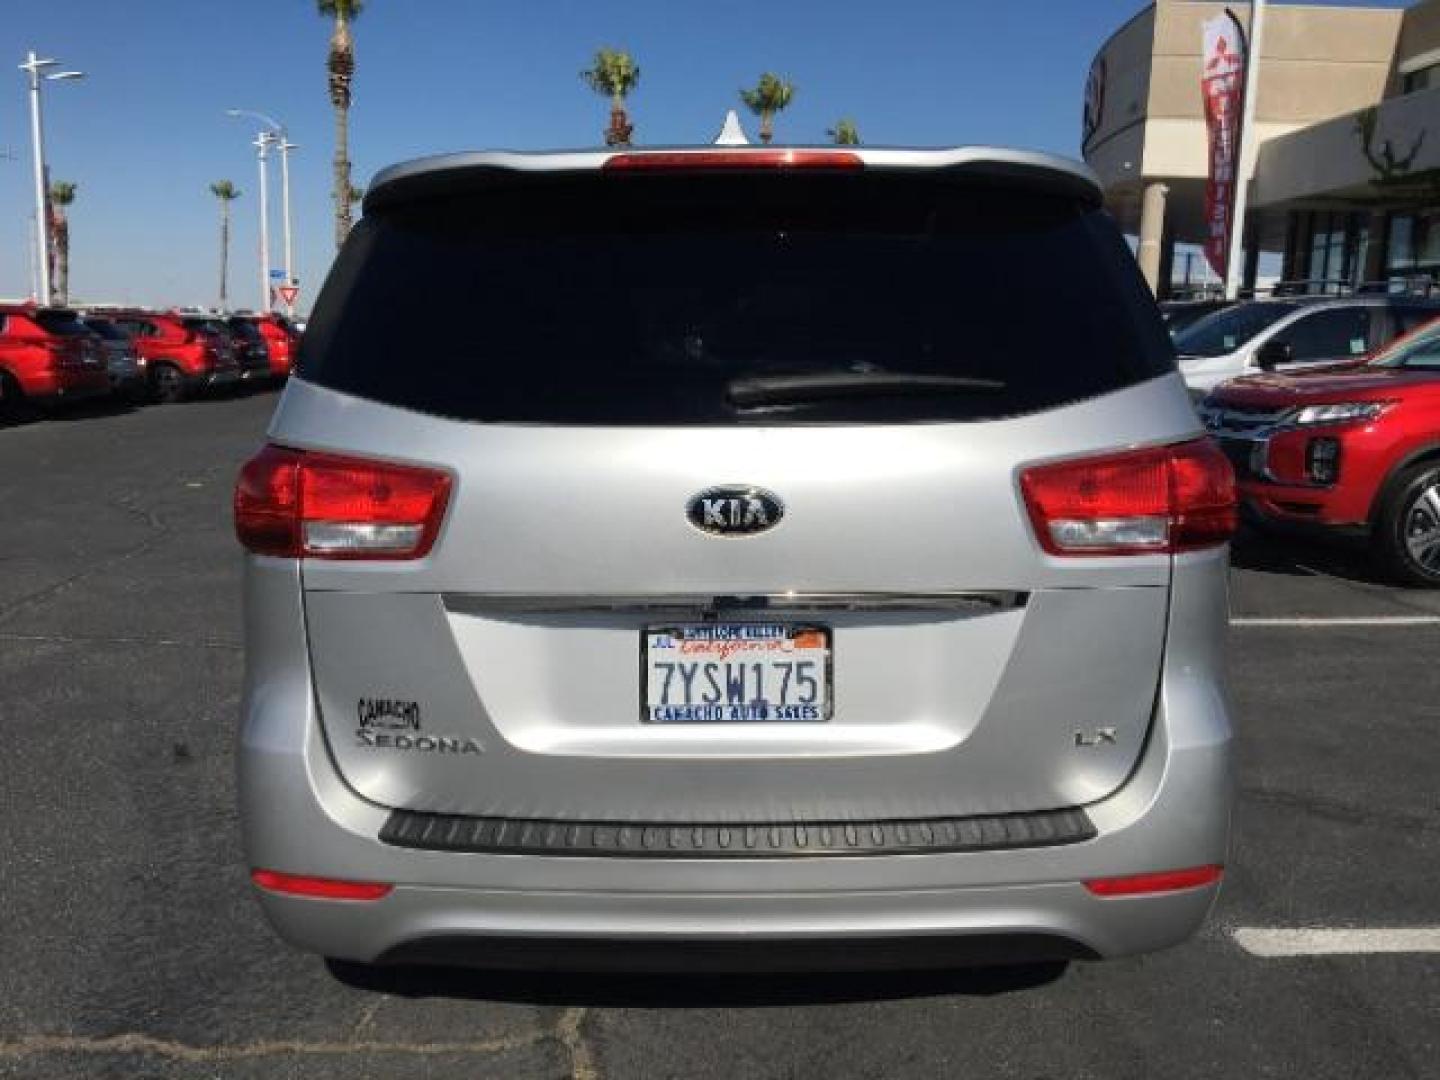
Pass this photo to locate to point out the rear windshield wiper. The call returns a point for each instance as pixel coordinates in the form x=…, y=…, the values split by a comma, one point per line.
x=821, y=386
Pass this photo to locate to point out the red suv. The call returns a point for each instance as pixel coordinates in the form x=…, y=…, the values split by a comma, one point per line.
x=182, y=353
x=47, y=356
x=1347, y=449
x=280, y=337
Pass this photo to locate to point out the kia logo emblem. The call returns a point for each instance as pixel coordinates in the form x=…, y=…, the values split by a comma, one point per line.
x=734, y=510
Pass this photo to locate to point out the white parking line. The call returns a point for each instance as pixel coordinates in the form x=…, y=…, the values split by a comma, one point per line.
x=1321, y=621
x=1274, y=944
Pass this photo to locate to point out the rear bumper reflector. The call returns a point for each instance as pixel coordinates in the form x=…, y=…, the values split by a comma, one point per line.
x=1159, y=882
x=737, y=840
x=318, y=887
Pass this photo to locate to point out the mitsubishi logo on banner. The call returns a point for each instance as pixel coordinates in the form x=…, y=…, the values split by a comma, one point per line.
x=1222, y=83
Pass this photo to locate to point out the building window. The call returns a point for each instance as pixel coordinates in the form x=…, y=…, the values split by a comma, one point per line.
x=1330, y=249
x=1415, y=244
x=1402, y=247
x=1427, y=236
x=1319, y=249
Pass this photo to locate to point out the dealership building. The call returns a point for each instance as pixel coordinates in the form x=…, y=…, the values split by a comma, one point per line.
x=1344, y=152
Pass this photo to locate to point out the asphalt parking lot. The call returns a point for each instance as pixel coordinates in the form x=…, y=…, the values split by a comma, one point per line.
x=130, y=945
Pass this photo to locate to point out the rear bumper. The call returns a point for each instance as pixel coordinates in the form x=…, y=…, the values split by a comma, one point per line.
x=126, y=377
x=75, y=384
x=564, y=929
x=300, y=818
x=226, y=376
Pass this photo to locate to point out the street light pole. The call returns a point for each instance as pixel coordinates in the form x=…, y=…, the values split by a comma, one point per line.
x=285, y=147
x=262, y=146
x=279, y=138
x=33, y=65
x=35, y=258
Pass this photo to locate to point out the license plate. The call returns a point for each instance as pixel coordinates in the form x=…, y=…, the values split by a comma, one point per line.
x=725, y=673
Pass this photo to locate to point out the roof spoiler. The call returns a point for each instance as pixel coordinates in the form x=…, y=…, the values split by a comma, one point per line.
x=452, y=174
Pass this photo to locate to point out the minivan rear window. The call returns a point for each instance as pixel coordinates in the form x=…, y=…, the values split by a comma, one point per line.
x=603, y=299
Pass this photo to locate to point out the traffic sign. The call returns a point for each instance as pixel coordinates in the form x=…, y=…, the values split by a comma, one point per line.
x=277, y=275
x=288, y=293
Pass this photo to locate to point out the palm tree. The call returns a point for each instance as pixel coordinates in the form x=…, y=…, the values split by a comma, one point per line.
x=62, y=194
x=844, y=133
x=614, y=74
x=227, y=193
x=341, y=66
x=771, y=95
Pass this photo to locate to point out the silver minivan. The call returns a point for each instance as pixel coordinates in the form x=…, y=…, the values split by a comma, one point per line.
x=729, y=553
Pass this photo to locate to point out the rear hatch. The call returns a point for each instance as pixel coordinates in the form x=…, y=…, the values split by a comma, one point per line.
x=732, y=463
x=221, y=347
x=252, y=350
x=120, y=357
x=75, y=343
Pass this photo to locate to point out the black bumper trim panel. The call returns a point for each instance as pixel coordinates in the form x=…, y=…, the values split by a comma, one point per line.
x=740, y=840
x=1022, y=960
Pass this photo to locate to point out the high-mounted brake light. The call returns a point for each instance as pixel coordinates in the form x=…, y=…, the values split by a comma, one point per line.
x=735, y=159
x=1161, y=500
x=301, y=504
x=1160, y=882
x=318, y=887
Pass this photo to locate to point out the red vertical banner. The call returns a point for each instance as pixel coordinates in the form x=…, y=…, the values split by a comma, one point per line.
x=1222, y=84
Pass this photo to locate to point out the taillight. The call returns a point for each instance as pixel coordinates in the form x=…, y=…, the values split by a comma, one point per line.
x=1155, y=501
x=302, y=504
x=56, y=354
x=735, y=159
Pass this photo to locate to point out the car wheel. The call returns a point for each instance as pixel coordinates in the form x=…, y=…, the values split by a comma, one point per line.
x=166, y=383
x=13, y=405
x=1408, y=529
x=9, y=395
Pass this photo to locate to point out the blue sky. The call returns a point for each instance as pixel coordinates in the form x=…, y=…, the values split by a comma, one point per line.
x=145, y=133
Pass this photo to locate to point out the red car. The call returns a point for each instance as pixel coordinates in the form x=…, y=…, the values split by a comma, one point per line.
x=48, y=356
x=1349, y=449
x=183, y=353
x=280, y=337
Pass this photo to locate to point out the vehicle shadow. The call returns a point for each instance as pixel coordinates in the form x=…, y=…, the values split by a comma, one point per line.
x=247, y=389
x=22, y=414
x=1293, y=556
x=91, y=410
x=690, y=990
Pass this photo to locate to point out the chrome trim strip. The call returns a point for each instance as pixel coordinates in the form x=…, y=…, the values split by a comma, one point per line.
x=977, y=602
